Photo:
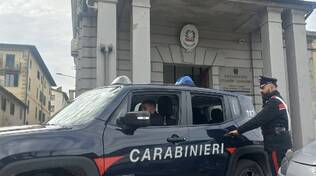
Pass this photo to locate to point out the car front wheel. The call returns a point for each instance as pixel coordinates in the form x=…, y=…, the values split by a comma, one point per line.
x=248, y=168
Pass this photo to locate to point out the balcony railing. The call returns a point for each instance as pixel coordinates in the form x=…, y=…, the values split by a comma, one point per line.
x=10, y=69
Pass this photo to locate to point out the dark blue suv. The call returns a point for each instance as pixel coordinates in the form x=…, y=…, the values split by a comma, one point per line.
x=104, y=132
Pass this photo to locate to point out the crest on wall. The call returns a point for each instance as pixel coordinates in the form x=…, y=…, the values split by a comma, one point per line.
x=189, y=37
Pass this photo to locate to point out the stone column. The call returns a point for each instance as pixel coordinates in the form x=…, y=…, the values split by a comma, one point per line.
x=299, y=79
x=313, y=55
x=106, y=39
x=140, y=41
x=214, y=77
x=272, y=46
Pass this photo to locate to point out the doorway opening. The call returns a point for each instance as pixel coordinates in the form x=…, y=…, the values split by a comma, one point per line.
x=199, y=74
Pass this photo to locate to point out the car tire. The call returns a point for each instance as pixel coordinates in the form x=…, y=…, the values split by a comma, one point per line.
x=43, y=174
x=248, y=168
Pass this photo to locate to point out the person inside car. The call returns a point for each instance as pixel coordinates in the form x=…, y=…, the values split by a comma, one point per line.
x=155, y=118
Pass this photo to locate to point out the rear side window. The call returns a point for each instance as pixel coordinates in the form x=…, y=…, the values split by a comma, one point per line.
x=207, y=109
x=247, y=106
x=234, y=106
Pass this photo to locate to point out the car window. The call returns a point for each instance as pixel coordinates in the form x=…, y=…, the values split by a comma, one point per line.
x=248, y=108
x=119, y=112
x=235, y=106
x=86, y=107
x=164, y=108
x=207, y=109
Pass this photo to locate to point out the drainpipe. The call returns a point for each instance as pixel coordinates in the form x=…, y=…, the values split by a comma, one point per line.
x=41, y=100
x=27, y=83
x=106, y=50
x=2, y=113
x=251, y=65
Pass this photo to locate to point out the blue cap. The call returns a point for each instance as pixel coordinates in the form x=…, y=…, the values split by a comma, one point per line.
x=185, y=81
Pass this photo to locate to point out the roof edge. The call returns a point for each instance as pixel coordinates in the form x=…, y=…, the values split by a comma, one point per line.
x=37, y=56
x=12, y=96
x=62, y=92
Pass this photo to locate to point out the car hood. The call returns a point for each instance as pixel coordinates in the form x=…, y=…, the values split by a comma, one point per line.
x=27, y=129
x=27, y=142
x=306, y=155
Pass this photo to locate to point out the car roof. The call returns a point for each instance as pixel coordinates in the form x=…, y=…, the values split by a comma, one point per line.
x=173, y=87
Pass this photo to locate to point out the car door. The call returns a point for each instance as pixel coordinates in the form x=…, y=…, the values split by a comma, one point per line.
x=210, y=118
x=148, y=150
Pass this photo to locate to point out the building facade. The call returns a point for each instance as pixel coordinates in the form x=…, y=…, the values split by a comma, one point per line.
x=311, y=44
x=12, y=111
x=59, y=100
x=221, y=44
x=72, y=95
x=24, y=74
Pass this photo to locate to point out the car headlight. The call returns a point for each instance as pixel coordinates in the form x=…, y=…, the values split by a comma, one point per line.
x=314, y=170
x=285, y=162
x=284, y=166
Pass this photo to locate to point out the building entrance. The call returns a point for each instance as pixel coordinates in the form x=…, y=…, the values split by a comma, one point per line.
x=200, y=75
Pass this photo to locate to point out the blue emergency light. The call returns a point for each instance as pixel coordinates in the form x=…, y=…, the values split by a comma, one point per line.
x=185, y=81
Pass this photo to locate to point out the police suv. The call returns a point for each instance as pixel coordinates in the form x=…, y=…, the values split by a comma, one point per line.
x=103, y=132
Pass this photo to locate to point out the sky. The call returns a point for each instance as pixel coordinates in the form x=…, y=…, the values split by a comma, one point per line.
x=47, y=25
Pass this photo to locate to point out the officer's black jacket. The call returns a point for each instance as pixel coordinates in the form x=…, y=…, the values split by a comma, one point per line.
x=156, y=119
x=271, y=116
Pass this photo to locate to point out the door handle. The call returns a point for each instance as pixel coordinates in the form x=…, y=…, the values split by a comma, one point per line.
x=175, y=139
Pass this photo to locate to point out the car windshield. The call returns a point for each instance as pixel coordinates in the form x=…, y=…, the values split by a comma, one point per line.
x=85, y=108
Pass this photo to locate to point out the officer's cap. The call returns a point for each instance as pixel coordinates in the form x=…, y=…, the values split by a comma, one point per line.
x=267, y=80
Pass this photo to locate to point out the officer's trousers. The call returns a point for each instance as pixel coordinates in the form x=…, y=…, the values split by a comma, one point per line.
x=275, y=158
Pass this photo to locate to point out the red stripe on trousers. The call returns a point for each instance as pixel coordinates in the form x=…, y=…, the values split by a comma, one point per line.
x=275, y=162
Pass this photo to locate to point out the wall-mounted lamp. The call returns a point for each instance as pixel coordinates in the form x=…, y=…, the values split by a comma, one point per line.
x=92, y=4
x=242, y=41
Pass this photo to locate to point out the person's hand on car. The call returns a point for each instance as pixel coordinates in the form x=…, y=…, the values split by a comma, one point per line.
x=233, y=133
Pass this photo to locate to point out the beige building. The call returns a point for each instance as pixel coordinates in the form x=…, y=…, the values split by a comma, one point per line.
x=311, y=44
x=24, y=74
x=72, y=95
x=59, y=100
x=12, y=110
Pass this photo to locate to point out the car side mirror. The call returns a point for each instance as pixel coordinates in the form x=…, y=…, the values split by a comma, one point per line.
x=134, y=120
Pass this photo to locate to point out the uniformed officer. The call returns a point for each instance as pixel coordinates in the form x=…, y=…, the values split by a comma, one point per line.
x=274, y=122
